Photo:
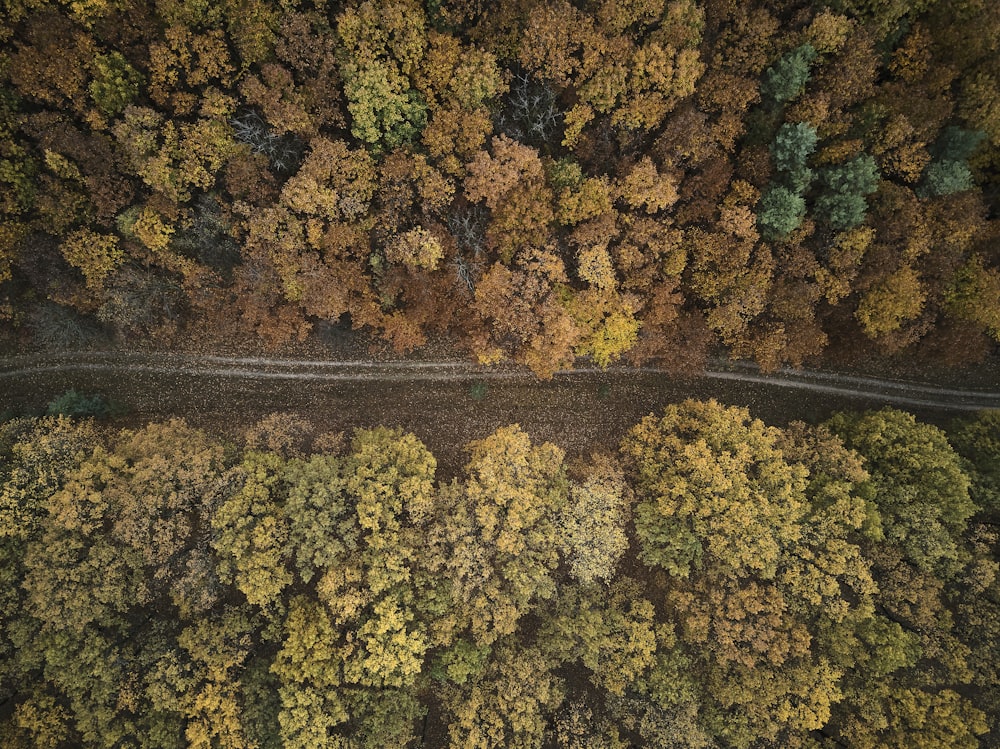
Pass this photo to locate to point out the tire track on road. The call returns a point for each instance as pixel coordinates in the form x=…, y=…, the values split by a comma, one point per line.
x=890, y=392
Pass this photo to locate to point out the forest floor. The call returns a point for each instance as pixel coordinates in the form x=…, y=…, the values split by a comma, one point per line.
x=448, y=403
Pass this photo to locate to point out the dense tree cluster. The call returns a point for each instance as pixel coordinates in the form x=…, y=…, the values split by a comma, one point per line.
x=536, y=180
x=715, y=582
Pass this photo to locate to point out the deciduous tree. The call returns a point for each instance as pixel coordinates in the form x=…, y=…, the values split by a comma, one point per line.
x=497, y=541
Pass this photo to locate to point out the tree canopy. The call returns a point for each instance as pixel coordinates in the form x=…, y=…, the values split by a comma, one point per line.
x=716, y=581
x=538, y=182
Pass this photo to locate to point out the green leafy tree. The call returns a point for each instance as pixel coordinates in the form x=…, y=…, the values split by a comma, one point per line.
x=957, y=144
x=859, y=176
x=78, y=405
x=385, y=718
x=949, y=171
x=790, y=150
x=920, y=489
x=788, y=76
x=842, y=203
x=842, y=210
x=946, y=178
x=116, y=83
x=780, y=211
x=977, y=440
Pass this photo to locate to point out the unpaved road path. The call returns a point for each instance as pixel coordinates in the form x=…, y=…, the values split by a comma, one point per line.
x=113, y=364
x=581, y=410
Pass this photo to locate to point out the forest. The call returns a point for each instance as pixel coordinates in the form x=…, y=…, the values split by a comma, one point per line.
x=712, y=582
x=531, y=181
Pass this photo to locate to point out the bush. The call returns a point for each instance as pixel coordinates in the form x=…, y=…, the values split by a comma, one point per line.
x=79, y=406
x=58, y=327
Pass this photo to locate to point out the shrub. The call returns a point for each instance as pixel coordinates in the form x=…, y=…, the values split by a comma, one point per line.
x=79, y=406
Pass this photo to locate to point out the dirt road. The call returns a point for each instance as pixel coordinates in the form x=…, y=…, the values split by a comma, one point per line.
x=448, y=403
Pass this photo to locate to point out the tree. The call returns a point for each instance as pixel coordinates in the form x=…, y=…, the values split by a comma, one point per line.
x=592, y=523
x=712, y=489
x=946, y=177
x=200, y=679
x=507, y=705
x=184, y=62
x=787, y=77
x=115, y=84
x=612, y=633
x=96, y=255
x=974, y=295
x=759, y=530
x=50, y=59
x=885, y=307
x=780, y=211
x=920, y=489
x=389, y=477
x=307, y=46
x=842, y=210
x=911, y=717
x=606, y=324
x=384, y=44
x=492, y=176
x=174, y=158
x=250, y=533
x=323, y=530
x=791, y=148
x=384, y=111
x=977, y=440
x=43, y=454
x=828, y=568
x=646, y=188
x=497, y=539
x=416, y=248
x=334, y=182
x=859, y=176
x=309, y=669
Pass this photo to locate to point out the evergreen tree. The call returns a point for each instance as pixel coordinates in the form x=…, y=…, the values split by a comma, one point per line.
x=785, y=79
x=780, y=211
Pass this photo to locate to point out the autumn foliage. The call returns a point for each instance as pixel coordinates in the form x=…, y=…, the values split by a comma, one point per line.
x=713, y=582
x=535, y=181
